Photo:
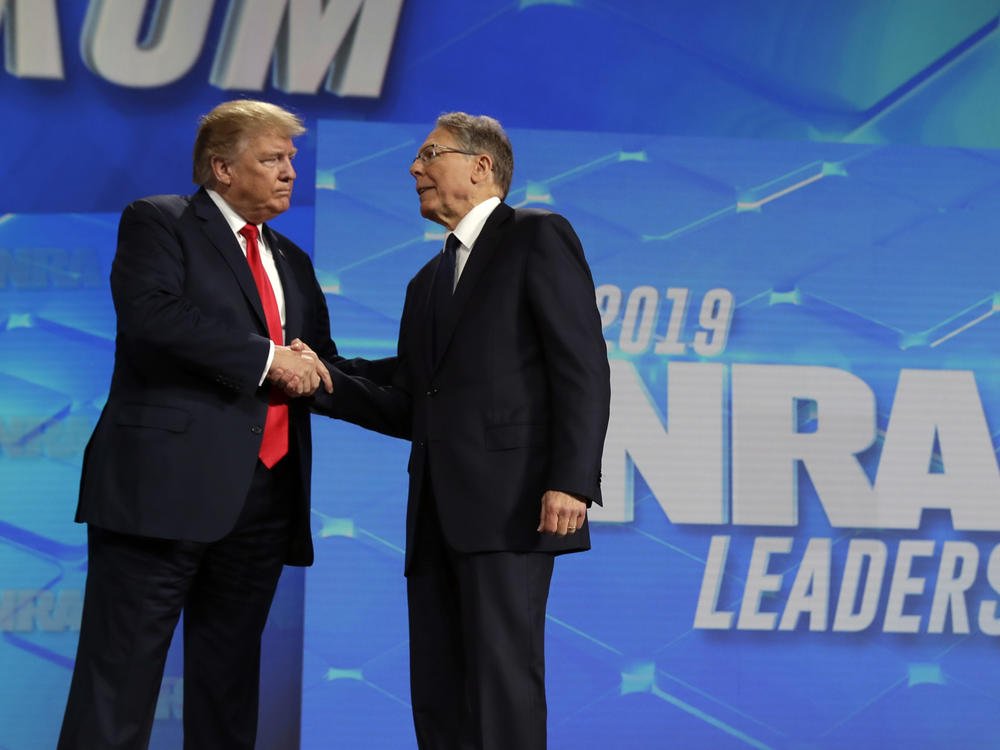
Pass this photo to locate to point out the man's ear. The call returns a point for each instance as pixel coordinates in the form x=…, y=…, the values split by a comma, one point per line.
x=482, y=168
x=221, y=171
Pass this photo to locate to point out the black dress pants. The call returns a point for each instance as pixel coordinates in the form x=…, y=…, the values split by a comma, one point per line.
x=135, y=592
x=477, y=644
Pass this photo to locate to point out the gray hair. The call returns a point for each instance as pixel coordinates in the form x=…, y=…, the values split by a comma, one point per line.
x=483, y=135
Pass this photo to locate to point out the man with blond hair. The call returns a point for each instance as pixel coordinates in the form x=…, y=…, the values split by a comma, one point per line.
x=195, y=483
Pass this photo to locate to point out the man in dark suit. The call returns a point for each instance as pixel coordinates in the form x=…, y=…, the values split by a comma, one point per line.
x=195, y=483
x=503, y=386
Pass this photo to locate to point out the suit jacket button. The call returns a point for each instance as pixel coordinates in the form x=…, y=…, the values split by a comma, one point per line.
x=257, y=429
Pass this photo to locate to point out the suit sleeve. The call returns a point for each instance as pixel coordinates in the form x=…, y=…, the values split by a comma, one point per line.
x=366, y=403
x=561, y=295
x=161, y=323
x=374, y=394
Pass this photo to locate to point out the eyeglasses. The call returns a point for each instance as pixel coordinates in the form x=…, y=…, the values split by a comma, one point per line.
x=432, y=151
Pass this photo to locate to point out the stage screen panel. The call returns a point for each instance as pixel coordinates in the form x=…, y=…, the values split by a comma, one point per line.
x=798, y=542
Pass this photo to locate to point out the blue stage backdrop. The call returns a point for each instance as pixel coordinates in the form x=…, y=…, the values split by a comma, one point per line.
x=790, y=210
x=802, y=389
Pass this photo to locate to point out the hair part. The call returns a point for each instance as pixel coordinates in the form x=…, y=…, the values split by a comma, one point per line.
x=483, y=135
x=223, y=132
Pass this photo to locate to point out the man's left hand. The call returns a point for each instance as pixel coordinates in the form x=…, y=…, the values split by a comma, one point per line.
x=562, y=513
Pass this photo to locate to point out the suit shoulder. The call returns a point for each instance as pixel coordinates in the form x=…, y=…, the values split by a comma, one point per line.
x=547, y=237
x=539, y=224
x=532, y=219
x=167, y=203
x=522, y=215
x=166, y=206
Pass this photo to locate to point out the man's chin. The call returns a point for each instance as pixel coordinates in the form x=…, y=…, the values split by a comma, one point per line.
x=428, y=212
x=279, y=206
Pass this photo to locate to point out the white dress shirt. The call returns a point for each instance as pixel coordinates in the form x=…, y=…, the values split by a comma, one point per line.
x=468, y=231
x=236, y=223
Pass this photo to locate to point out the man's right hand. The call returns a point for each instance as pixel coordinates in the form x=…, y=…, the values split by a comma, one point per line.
x=298, y=373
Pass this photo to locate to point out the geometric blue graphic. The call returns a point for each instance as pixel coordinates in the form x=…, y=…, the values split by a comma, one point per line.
x=799, y=184
x=865, y=260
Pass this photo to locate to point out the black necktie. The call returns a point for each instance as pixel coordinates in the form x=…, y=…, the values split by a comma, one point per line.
x=444, y=286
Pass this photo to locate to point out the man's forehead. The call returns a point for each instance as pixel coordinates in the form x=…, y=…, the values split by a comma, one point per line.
x=442, y=136
x=270, y=140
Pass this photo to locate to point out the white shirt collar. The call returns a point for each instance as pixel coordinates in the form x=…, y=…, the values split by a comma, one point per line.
x=472, y=223
x=235, y=221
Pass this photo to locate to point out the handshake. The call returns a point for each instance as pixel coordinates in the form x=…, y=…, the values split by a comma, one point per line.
x=298, y=370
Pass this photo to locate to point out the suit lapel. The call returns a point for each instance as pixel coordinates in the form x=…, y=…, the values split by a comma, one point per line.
x=479, y=259
x=424, y=312
x=221, y=236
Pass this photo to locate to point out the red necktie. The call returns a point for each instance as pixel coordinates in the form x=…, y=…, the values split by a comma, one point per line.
x=275, y=443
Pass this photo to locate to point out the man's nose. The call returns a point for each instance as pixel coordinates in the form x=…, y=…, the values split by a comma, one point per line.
x=417, y=167
x=287, y=171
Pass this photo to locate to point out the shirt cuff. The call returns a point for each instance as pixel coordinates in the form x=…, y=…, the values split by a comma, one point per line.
x=267, y=367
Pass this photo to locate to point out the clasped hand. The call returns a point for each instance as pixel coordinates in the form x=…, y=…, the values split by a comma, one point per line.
x=298, y=370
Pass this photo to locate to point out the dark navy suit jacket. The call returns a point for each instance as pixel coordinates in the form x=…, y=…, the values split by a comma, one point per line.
x=175, y=448
x=517, y=402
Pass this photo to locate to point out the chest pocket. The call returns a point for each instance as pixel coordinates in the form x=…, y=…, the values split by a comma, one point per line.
x=506, y=436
